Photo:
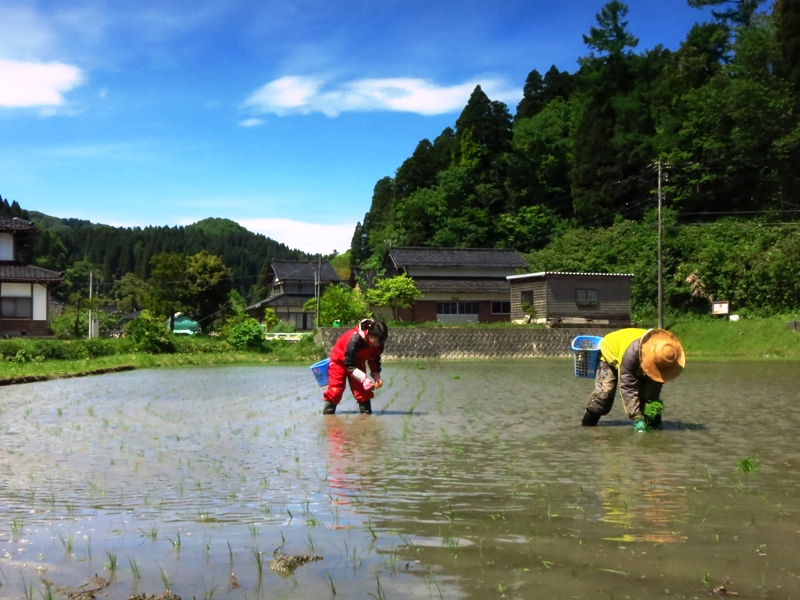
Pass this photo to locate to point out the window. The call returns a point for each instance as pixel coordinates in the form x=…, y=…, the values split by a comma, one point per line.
x=586, y=297
x=501, y=308
x=19, y=308
x=526, y=298
x=457, y=308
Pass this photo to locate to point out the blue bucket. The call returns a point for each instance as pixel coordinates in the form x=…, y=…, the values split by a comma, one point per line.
x=320, y=371
x=586, y=349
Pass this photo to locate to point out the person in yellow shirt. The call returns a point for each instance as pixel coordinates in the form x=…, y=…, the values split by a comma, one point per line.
x=638, y=361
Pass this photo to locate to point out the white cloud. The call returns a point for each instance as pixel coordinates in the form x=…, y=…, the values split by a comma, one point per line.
x=27, y=84
x=304, y=95
x=251, y=122
x=308, y=237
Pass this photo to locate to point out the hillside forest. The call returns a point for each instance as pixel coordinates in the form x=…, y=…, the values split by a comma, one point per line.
x=572, y=179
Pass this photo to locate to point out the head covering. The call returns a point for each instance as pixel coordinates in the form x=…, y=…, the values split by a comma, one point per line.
x=662, y=355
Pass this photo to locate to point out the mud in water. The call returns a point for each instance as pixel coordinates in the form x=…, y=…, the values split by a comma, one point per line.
x=470, y=480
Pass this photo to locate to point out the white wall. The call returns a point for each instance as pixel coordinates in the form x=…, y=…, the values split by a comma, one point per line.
x=39, y=302
x=6, y=246
x=15, y=290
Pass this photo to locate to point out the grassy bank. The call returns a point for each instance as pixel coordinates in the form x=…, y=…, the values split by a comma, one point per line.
x=38, y=360
x=748, y=339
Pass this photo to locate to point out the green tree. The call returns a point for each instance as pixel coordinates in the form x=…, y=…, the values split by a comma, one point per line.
x=129, y=293
x=739, y=138
x=788, y=15
x=168, y=286
x=338, y=303
x=395, y=292
x=611, y=38
x=737, y=13
x=207, y=284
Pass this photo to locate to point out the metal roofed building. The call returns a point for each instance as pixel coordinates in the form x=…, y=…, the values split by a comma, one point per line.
x=571, y=299
x=293, y=284
x=24, y=289
x=457, y=284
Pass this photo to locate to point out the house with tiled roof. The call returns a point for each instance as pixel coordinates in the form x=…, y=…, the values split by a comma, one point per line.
x=293, y=284
x=24, y=289
x=457, y=284
x=564, y=299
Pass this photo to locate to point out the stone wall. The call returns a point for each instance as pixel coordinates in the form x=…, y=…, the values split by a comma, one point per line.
x=454, y=343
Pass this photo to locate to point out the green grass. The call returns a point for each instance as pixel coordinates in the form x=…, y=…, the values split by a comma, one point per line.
x=748, y=339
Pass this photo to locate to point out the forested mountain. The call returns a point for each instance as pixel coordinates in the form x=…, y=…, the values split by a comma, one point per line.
x=116, y=251
x=719, y=115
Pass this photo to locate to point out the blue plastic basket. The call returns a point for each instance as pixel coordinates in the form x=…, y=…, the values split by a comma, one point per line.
x=320, y=371
x=586, y=349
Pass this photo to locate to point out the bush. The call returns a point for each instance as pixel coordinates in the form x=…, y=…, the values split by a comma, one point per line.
x=247, y=335
x=150, y=335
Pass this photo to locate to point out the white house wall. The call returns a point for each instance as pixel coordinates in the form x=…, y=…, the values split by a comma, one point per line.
x=39, y=302
x=6, y=246
x=15, y=290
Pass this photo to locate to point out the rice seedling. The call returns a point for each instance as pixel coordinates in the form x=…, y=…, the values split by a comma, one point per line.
x=165, y=579
x=331, y=586
x=16, y=526
x=258, y=560
x=176, y=542
x=67, y=541
x=379, y=595
x=48, y=590
x=747, y=465
x=312, y=548
x=152, y=533
x=253, y=530
x=111, y=562
x=137, y=575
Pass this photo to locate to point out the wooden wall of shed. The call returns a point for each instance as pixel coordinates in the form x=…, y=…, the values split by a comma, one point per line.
x=539, y=298
x=614, y=297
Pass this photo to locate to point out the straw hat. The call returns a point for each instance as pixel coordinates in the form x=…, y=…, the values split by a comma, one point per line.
x=662, y=355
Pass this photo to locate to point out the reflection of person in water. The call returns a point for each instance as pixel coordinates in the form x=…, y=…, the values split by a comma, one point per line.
x=638, y=495
x=351, y=446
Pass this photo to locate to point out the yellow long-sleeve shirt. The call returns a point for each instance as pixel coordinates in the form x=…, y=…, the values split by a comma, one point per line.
x=613, y=345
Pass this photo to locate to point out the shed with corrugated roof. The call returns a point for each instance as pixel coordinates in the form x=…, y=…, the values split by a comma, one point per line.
x=568, y=298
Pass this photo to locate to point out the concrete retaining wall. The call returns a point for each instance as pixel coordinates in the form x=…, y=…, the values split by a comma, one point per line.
x=453, y=344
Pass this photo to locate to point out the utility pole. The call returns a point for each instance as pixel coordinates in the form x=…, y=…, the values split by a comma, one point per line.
x=318, y=277
x=91, y=284
x=660, y=255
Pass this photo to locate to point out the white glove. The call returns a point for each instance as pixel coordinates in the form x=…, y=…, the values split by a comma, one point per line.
x=359, y=374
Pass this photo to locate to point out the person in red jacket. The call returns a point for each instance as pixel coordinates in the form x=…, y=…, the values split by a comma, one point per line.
x=357, y=348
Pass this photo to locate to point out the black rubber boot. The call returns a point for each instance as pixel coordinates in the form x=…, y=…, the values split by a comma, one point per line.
x=590, y=419
x=329, y=408
x=365, y=408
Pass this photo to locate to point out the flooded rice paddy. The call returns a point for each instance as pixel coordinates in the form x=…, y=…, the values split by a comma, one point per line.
x=471, y=480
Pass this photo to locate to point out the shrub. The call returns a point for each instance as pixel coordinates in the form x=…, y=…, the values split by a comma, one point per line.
x=247, y=335
x=150, y=334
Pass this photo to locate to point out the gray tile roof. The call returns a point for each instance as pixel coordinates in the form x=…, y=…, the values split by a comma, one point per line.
x=282, y=300
x=15, y=272
x=303, y=271
x=462, y=286
x=7, y=223
x=456, y=257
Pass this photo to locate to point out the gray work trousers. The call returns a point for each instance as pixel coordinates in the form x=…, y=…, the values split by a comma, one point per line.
x=606, y=381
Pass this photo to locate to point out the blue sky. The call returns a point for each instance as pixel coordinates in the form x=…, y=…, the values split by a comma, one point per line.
x=280, y=115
